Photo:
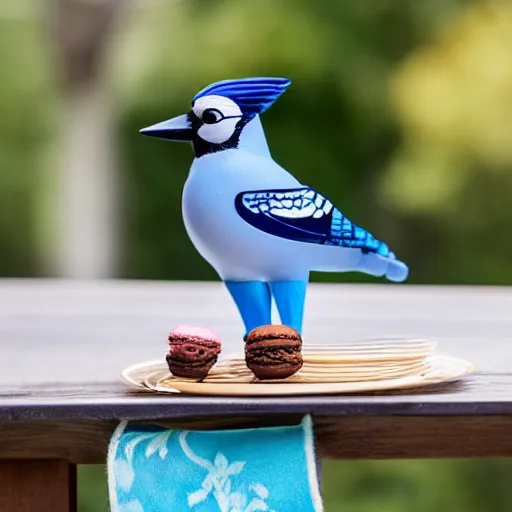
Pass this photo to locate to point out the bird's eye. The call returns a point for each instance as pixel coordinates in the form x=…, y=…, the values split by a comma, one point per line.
x=211, y=116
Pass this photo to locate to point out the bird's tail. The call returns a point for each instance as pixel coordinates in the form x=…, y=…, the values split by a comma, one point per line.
x=388, y=266
x=333, y=259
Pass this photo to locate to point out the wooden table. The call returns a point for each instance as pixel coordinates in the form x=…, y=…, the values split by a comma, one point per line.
x=64, y=343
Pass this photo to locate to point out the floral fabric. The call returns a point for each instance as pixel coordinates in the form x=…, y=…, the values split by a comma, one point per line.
x=153, y=469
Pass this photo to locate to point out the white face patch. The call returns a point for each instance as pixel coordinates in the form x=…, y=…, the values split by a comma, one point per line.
x=219, y=116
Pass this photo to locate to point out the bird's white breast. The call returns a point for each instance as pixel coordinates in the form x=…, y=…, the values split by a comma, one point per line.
x=235, y=249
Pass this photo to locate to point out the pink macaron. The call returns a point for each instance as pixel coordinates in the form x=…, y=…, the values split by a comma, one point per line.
x=193, y=350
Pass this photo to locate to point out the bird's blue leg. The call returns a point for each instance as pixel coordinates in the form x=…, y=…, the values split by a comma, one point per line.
x=253, y=301
x=290, y=297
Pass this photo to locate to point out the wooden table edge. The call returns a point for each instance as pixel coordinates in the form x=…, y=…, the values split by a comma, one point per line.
x=337, y=437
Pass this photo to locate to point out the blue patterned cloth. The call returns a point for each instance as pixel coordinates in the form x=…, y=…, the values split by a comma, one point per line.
x=153, y=469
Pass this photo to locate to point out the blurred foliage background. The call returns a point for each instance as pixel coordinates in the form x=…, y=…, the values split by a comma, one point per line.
x=400, y=111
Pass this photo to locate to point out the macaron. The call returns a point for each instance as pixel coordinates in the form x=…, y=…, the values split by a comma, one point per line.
x=193, y=350
x=273, y=352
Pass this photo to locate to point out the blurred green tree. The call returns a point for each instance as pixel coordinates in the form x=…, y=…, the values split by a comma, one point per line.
x=24, y=138
x=453, y=171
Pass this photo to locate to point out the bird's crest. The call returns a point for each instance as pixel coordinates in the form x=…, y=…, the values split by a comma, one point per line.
x=252, y=95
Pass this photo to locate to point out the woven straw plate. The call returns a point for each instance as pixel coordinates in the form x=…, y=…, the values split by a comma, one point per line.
x=354, y=368
x=439, y=370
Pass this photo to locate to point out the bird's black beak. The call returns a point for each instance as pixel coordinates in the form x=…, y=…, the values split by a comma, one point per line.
x=177, y=129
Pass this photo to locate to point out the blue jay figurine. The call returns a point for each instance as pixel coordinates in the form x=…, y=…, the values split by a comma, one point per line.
x=261, y=229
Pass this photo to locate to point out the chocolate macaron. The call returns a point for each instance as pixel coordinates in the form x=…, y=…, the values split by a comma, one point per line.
x=273, y=352
x=193, y=350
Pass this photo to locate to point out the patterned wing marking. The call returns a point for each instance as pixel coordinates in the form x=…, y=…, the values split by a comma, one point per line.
x=304, y=215
x=294, y=204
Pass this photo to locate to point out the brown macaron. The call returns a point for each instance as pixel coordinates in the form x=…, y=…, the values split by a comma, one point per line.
x=273, y=352
x=193, y=350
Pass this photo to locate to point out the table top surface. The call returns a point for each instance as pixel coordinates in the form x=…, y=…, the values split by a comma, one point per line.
x=64, y=343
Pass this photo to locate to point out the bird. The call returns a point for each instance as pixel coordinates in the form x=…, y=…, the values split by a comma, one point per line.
x=261, y=229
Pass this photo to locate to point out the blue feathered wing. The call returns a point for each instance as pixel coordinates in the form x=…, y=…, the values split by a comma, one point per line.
x=304, y=215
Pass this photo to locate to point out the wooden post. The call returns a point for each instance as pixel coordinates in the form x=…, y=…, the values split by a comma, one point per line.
x=86, y=201
x=37, y=486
